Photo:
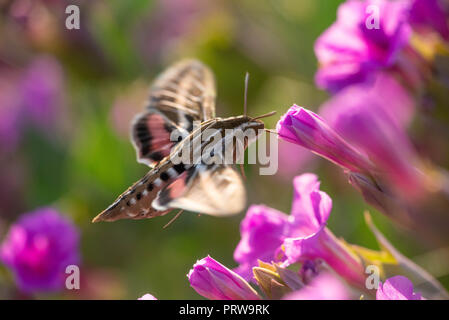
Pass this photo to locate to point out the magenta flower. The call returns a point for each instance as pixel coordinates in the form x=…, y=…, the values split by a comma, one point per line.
x=364, y=137
x=263, y=230
x=147, y=297
x=383, y=93
x=397, y=288
x=38, y=248
x=373, y=117
x=214, y=281
x=380, y=161
x=303, y=235
x=354, y=47
x=324, y=287
x=323, y=245
x=430, y=15
x=309, y=130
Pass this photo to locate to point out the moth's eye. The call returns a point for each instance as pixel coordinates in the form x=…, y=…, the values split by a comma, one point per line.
x=179, y=138
x=212, y=153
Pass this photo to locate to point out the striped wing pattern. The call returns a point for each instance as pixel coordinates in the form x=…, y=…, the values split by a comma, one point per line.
x=181, y=95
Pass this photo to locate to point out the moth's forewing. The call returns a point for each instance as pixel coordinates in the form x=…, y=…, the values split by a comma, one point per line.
x=187, y=86
x=184, y=93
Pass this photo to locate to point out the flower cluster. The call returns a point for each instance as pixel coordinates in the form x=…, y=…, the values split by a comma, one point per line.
x=351, y=49
x=374, y=35
x=373, y=62
x=270, y=235
x=38, y=249
x=272, y=243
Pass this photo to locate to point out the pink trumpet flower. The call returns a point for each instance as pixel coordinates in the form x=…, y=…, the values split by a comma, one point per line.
x=214, y=281
x=270, y=235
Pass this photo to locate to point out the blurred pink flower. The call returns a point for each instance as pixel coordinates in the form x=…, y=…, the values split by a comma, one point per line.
x=263, y=231
x=147, y=297
x=349, y=52
x=397, y=288
x=373, y=118
x=38, y=248
x=325, y=246
x=324, y=287
x=30, y=96
x=383, y=93
x=214, y=281
x=42, y=90
x=363, y=138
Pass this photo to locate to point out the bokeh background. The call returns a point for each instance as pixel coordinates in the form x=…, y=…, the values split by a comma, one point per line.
x=69, y=146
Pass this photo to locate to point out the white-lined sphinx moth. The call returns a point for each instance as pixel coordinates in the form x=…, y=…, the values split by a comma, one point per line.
x=181, y=95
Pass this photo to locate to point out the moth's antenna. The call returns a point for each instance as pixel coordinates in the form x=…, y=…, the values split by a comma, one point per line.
x=269, y=114
x=246, y=93
x=173, y=219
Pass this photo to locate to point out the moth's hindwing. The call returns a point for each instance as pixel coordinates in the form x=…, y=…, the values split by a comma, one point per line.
x=215, y=190
x=153, y=136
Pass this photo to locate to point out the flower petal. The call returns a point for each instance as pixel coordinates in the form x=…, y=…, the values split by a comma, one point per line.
x=397, y=288
x=147, y=297
x=214, y=281
x=311, y=207
x=325, y=246
x=309, y=130
x=262, y=231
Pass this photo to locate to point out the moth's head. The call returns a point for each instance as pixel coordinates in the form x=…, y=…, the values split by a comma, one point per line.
x=247, y=122
x=256, y=122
